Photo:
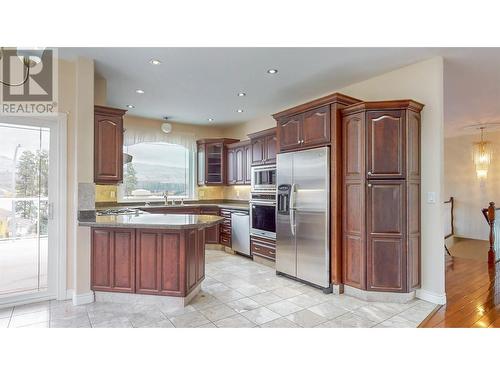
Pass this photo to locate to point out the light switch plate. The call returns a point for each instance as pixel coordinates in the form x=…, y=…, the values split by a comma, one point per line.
x=431, y=197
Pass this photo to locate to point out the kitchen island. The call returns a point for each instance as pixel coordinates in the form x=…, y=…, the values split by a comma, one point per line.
x=138, y=257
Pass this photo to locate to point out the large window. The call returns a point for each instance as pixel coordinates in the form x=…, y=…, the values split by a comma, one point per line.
x=156, y=168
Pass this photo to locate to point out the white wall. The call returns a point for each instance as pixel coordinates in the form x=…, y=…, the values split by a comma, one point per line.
x=422, y=82
x=469, y=193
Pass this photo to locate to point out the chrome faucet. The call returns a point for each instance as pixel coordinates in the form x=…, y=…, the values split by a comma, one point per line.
x=165, y=195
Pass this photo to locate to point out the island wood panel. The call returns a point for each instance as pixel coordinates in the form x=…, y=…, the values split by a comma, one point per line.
x=212, y=233
x=113, y=260
x=386, y=144
x=353, y=213
x=148, y=263
x=171, y=260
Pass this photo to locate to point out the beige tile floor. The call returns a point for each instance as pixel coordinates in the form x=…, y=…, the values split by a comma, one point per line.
x=235, y=293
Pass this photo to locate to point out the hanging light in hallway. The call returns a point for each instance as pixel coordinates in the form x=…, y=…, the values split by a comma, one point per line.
x=482, y=155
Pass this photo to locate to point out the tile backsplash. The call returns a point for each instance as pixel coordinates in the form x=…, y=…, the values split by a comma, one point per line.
x=108, y=193
x=105, y=193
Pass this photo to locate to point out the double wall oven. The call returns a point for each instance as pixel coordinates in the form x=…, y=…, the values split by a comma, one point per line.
x=263, y=202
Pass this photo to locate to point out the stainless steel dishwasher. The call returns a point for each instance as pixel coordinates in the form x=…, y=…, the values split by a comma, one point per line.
x=240, y=232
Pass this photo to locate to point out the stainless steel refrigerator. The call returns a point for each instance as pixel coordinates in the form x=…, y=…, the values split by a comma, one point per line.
x=302, y=215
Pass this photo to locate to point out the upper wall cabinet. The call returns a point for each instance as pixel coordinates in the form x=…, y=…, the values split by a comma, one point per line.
x=212, y=160
x=238, y=163
x=311, y=124
x=108, y=145
x=263, y=147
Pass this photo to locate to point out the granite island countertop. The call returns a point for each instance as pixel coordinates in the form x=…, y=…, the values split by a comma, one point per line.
x=150, y=220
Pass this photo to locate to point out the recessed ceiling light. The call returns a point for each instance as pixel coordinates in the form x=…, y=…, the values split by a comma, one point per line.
x=272, y=71
x=239, y=110
x=130, y=106
x=241, y=94
x=155, y=62
x=139, y=91
x=210, y=119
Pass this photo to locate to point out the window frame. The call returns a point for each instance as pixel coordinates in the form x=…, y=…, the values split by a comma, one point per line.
x=120, y=197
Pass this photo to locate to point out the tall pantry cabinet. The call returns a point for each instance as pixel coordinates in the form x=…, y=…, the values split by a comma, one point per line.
x=381, y=196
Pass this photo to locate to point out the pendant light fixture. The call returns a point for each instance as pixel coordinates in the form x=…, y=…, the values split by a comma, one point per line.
x=482, y=155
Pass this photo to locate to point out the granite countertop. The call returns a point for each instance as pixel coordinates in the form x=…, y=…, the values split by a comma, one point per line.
x=157, y=221
x=232, y=205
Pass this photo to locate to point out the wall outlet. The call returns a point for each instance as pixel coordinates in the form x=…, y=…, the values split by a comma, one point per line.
x=431, y=197
x=112, y=194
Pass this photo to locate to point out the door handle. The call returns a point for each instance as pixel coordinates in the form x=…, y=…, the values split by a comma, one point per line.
x=292, y=221
x=51, y=211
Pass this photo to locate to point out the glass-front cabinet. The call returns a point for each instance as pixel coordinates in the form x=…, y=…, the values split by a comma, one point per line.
x=212, y=160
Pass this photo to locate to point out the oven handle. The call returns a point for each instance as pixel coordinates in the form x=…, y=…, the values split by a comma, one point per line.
x=263, y=203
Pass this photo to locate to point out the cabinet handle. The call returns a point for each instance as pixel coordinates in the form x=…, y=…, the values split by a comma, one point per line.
x=369, y=185
x=370, y=173
x=302, y=141
x=298, y=142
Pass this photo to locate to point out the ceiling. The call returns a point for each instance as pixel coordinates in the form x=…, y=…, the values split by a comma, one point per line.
x=192, y=85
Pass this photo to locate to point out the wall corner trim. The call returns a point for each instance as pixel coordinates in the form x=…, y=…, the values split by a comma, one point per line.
x=432, y=297
x=83, y=299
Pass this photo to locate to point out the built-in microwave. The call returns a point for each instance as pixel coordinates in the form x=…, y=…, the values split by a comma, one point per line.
x=264, y=178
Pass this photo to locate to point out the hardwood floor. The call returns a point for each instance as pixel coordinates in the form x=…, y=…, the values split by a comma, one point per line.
x=473, y=296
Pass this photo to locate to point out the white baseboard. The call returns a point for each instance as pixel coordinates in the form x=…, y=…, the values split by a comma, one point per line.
x=69, y=294
x=432, y=297
x=82, y=299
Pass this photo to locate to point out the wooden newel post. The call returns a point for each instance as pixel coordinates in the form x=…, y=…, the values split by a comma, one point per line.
x=491, y=220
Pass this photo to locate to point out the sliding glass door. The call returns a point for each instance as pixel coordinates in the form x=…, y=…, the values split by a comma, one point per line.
x=26, y=212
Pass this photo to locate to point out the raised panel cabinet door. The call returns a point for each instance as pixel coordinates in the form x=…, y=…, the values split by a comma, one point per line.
x=413, y=140
x=353, y=249
x=258, y=151
x=386, y=233
x=148, y=265
x=289, y=132
x=123, y=260
x=211, y=233
x=231, y=167
x=200, y=248
x=108, y=149
x=316, y=127
x=248, y=165
x=386, y=144
x=101, y=259
x=271, y=141
x=239, y=162
x=354, y=146
x=191, y=243
x=201, y=165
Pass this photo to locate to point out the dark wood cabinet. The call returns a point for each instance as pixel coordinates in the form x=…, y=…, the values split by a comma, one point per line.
x=147, y=261
x=231, y=167
x=113, y=260
x=308, y=129
x=289, y=132
x=381, y=195
x=238, y=163
x=263, y=247
x=386, y=222
x=212, y=233
x=248, y=163
x=225, y=228
x=317, y=124
x=386, y=132
x=211, y=161
x=108, y=145
x=263, y=147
